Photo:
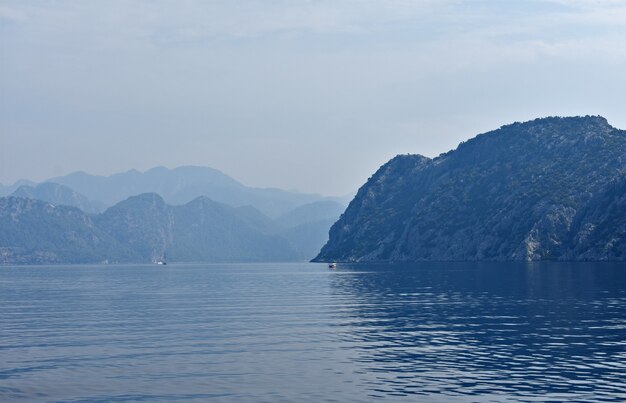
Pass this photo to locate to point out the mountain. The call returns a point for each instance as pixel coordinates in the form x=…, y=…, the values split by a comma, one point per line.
x=306, y=227
x=208, y=231
x=304, y=219
x=58, y=195
x=140, y=229
x=308, y=238
x=8, y=190
x=311, y=212
x=33, y=231
x=199, y=231
x=548, y=189
x=183, y=184
x=142, y=223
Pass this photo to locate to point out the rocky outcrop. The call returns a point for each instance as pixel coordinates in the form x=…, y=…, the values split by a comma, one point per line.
x=548, y=189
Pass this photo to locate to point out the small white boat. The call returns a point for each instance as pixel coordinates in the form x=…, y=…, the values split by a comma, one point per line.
x=162, y=261
x=332, y=265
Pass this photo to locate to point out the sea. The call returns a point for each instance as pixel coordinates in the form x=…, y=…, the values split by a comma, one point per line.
x=302, y=332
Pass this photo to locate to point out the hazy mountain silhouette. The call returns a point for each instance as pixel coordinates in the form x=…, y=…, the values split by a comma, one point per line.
x=6, y=190
x=183, y=184
x=311, y=212
x=306, y=227
x=140, y=229
x=58, y=194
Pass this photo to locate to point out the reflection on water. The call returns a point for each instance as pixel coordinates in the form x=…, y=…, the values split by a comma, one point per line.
x=301, y=332
x=553, y=331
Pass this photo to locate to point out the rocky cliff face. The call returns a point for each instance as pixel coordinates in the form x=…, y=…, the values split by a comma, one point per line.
x=599, y=228
x=549, y=189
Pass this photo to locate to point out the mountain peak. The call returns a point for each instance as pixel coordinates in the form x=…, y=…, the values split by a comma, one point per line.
x=562, y=126
x=58, y=195
x=148, y=197
x=596, y=120
x=143, y=201
x=202, y=201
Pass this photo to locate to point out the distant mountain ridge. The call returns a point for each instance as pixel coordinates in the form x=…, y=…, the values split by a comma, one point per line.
x=144, y=228
x=548, y=189
x=140, y=229
x=176, y=186
x=183, y=184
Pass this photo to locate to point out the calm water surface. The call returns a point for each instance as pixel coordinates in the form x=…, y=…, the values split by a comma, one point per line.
x=302, y=332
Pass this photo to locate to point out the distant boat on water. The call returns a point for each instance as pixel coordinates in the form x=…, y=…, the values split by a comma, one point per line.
x=332, y=265
x=162, y=261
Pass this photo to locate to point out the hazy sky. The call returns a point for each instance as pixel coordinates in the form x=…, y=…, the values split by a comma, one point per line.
x=300, y=94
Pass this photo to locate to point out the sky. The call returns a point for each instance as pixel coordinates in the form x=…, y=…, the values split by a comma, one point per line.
x=308, y=95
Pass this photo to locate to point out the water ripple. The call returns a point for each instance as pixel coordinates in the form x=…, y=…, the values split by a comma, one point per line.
x=301, y=332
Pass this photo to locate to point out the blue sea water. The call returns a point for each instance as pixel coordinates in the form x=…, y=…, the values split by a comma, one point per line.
x=302, y=332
